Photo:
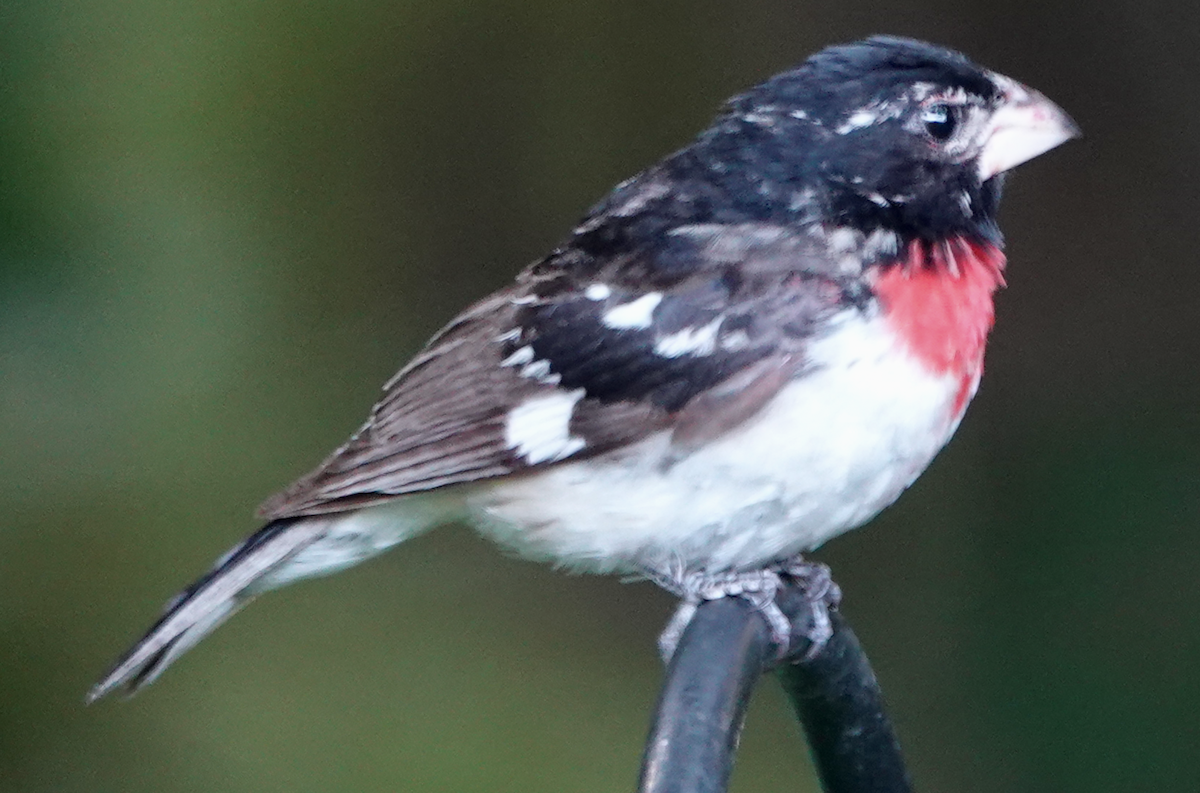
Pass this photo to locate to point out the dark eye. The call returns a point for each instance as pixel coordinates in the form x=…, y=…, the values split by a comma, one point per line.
x=940, y=121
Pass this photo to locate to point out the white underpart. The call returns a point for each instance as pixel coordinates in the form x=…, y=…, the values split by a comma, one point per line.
x=355, y=536
x=635, y=315
x=690, y=341
x=838, y=444
x=539, y=429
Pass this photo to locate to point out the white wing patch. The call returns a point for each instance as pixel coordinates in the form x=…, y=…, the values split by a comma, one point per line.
x=530, y=368
x=539, y=429
x=521, y=357
x=540, y=370
x=693, y=341
x=597, y=292
x=636, y=315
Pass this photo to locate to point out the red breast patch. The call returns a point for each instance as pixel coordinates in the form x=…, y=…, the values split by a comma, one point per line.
x=938, y=299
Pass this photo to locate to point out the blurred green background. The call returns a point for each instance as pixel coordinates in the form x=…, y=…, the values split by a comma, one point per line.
x=224, y=224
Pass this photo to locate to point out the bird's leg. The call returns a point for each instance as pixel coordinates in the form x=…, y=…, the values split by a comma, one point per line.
x=758, y=587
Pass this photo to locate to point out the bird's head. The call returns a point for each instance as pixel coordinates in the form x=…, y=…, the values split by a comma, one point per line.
x=889, y=133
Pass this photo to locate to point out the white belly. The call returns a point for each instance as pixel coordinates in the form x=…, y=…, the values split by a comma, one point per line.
x=836, y=445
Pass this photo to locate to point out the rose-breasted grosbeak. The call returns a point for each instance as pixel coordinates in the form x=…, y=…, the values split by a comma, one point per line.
x=747, y=349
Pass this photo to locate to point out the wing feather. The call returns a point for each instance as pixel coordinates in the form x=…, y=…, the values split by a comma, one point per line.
x=747, y=301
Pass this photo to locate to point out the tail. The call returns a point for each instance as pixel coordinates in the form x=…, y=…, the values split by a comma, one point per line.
x=218, y=595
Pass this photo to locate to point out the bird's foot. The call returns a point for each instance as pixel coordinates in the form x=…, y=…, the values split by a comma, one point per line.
x=758, y=587
x=822, y=595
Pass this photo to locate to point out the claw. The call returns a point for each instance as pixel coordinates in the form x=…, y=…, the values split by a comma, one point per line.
x=759, y=588
x=668, y=640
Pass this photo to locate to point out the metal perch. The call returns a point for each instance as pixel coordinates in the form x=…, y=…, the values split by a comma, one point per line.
x=716, y=665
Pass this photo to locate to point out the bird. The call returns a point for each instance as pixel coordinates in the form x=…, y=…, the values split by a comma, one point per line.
x=745, y=350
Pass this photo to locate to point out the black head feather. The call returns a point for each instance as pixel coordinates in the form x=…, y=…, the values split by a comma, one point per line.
x=839, y=140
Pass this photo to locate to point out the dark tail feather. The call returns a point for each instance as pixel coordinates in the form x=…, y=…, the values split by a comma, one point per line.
x=198, y=610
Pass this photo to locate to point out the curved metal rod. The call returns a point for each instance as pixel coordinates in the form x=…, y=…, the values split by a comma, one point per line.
x=840, y=706
x=708, y=683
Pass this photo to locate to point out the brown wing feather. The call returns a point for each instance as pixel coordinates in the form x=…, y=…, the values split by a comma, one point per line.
x=442, y=421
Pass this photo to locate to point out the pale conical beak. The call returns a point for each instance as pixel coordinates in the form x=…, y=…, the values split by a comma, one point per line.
x=1025, y=125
